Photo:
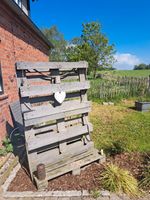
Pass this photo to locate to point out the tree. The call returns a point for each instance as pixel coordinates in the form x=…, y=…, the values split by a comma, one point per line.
x=57, y=39
x=141, y=66
x=92, y=46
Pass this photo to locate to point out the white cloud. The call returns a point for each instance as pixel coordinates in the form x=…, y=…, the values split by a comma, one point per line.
x=126, y=61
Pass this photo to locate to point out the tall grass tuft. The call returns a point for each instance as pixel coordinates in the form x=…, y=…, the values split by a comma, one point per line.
x=145, y=182
x=119, y=180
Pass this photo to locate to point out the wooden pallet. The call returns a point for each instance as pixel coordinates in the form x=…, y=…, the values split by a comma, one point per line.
x=74, y=165
x=57, y=135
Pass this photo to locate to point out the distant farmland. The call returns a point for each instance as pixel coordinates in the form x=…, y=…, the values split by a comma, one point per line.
x=133, y=73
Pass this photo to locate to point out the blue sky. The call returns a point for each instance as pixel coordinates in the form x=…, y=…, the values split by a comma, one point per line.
x=125, y=22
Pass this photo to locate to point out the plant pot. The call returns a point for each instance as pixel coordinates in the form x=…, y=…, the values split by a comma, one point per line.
x=142, y=106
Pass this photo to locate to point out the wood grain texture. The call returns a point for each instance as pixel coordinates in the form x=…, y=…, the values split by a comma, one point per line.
x=52, y=156
x=39, y=90
x=55, y=137
x=46, y=113
x=45, y=66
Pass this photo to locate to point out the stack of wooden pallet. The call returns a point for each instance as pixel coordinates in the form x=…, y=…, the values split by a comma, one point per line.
x=55, y=113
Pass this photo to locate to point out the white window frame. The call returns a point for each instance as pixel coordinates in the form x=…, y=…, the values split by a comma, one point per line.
x=25, y=8
x=19, y=2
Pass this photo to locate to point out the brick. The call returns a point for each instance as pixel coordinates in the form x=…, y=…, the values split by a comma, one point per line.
x=17, y=43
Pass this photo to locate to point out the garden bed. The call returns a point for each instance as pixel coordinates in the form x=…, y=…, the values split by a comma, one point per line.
x=89, y=178
x=7, y=163
x=3, y=159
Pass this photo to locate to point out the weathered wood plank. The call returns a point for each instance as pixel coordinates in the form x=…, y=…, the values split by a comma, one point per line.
x=42, y=78
x=17, y=115
x=46, y=129
x=25, y=107
x=61, y=129
x=53, y=156
x=54, y=137
x=44, y=110
x=82, y=78
x=39, y=90
x=45, y=66
x=70, y=158
x=73, y=165
x=46, y=113
x=29, y=134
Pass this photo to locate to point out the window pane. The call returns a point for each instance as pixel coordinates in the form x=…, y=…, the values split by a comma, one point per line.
x=19, y=2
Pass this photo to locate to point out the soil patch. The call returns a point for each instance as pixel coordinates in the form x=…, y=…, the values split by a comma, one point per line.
x=87, y=180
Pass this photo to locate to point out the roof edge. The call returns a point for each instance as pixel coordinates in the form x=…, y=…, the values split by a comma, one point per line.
x=28, y=21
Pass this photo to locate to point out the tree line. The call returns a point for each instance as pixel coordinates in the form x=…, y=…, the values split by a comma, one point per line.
x=92, y=46
x=142, y=66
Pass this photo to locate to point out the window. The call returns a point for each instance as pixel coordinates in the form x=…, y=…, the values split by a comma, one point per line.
x=1, y=82
x=24, y=5
x=18, y=2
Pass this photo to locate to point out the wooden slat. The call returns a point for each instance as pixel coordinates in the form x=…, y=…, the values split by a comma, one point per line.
x=52, y=88
x=39, y=78
x=25, y=107
x=82, y=78
x=46, y=113
x=83, y=161
x=48, y=78
x=29, y=134
x=69, y=133
x=53, y=156
x=45, y=66
x=67, y=160
x=47, y=128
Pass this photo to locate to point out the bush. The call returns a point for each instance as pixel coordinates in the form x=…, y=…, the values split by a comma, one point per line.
x=7, y=147
x=119, y=180
x=3, y=151
x=116, y=147
x=7, y=144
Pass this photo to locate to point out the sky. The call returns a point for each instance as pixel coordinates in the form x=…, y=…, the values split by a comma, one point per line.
x=125, y=22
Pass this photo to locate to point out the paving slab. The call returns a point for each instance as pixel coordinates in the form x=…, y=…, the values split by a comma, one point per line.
x=51, y=198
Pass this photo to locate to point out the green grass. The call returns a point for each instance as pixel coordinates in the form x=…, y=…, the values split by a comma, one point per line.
x=120, y=124
x=133, y=73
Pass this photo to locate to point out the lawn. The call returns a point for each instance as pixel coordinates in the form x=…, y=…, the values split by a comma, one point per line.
x=133, y=73
x=120, y=128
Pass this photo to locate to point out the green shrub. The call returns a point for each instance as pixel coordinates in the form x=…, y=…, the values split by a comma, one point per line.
x=7, y=147
x=3, y=151
x=7, y=144
x=119, y=180
x=116, y=147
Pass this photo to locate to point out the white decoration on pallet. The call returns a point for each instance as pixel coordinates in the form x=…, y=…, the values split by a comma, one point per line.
x=60, y=96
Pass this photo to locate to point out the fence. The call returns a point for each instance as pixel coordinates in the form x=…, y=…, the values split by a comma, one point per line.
x=119, y=87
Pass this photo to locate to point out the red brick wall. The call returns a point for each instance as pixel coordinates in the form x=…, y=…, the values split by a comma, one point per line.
x=17, y=43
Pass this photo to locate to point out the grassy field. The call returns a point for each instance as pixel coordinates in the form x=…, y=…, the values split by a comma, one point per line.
x=133, y=73
x=120, y=128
